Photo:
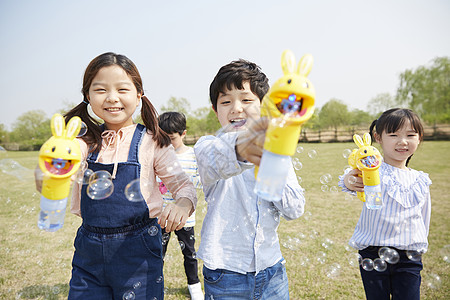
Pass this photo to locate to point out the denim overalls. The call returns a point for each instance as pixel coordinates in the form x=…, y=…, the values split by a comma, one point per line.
x=118, y=248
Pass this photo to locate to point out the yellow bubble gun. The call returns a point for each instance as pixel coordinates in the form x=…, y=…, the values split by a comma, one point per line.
x=367, y=159
x=289, y=103
x=59, y=159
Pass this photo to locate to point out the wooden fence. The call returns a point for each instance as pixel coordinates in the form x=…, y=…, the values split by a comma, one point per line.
x=437, y=132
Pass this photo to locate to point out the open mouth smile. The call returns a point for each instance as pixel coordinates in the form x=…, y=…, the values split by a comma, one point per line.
x=58, y=166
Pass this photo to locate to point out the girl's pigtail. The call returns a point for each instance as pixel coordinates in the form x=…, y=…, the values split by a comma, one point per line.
x=93, y=136
x=371, y=129
x=150, y=119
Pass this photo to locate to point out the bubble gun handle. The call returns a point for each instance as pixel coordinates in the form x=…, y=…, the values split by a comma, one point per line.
x=59, y=159
x=367, y=159
x=289, y=103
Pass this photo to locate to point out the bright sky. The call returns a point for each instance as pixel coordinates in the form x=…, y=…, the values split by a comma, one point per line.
x=359, y=47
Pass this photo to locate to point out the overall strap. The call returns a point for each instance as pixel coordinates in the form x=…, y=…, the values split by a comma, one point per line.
x=133, y=154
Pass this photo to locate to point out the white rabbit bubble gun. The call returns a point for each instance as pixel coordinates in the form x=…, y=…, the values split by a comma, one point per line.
x=288, y=104
x=59, y=159
x=367, y=159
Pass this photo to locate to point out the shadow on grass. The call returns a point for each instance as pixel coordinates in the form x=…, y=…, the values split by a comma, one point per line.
x=49, y=292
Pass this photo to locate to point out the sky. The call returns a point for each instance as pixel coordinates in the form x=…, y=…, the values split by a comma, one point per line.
x=359, y=47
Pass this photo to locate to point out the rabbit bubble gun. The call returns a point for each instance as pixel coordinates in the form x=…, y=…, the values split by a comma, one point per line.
x=367, y=159
x=59, y=159
x=288, y=104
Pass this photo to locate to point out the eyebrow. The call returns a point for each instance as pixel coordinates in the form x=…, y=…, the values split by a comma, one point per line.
x=119, y=83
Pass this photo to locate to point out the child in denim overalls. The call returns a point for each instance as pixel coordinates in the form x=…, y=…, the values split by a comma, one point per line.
x=118, y=248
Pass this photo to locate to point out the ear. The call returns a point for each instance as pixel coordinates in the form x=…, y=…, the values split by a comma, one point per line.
x=287, y=62
x=73, y=127
x=367, y=139
x=377, y=137
x=183, y=134
x=305, y=65
x=358, y=141
x=58, y=124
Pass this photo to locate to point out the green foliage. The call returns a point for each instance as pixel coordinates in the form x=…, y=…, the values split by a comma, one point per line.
x=31, y=130
x=359, y=117
x=379, y=104
x=181, y=105
x=4, y=134
x=426, y=90
x=333, y=114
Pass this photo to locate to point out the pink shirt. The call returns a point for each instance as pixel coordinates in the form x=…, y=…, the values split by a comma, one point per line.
x=155, y=161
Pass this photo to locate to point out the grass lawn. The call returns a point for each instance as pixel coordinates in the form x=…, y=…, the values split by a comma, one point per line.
x=37, y=265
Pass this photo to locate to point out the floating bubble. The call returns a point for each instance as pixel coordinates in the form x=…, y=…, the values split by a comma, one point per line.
x=299, y=149
x=153, y=230
x=165, y=237
x=299, y=179
x=159, y=279
x=347, y=169
x=379, y=265
x=312, y=153
x=102, y=174
x=182, y=245
x=352, y=179
x=194, y=255
x=414, y=255
x=346, y=153
x=354, y=259
x=325, y=178
x=129, y=295
x=83, y=129
x=137, y=285
x=389, y=255
x=348, y=197
x=297, y=164
x=324, y=188
x=84, y=175
x=133, y=191
x=334, y=189
x=367, y=264
x=321, y=257
x=431, y=280
x=187, y=228
x=192, y=237
x=445, y=252
x=332, y=271
x=100, y=189
x=304, y=261
x=13, y=168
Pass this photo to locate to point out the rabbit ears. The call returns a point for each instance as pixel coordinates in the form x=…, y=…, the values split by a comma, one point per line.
x=59, y=127
x=288, y=63
x=361, y=142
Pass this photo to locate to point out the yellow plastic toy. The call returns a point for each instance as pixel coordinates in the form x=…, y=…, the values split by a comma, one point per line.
x=367, y=159
x=59, y=159
x=289, y=103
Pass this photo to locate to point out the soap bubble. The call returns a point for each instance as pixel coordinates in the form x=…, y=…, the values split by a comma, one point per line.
x=100, y=188
x=299, y=179
x=133, y=190
x=129, y=295
x=332, y=271
x=299, y=149
x=137, y=285
x=297, y=164
x=159, y=279
x=352, y=179
x=379, y=265
x=83, y=129
x=165, y=237
x=346, y=153
x=445, y=252
x=321, y=257
x=354, y=259
x=414, y=255
x=100, y=175
x=333, y=189
x=431, y=280
x=326, y=178
x=12, y=167
x=324, y=188
x=367, y=264
x=389, y=255
x=84, y=174
x=182, y=246
x=312, y=153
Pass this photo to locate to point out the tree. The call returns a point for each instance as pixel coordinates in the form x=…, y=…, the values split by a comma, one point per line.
x=379, y=104
x=4, y=135
x=359, y=117
x=32, y=129
x=333, y=114
x=202, y=121
x=181, y=105
x=426, y=90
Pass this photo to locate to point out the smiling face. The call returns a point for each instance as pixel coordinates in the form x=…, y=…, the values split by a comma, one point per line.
x=113, y=97
x=236, y=106
x=399, y=145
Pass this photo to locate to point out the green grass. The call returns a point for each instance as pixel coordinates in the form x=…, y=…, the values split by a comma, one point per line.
x=37, y=265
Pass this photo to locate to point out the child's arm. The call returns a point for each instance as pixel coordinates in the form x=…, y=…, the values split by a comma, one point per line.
x=249, y=145
x=292, y=202
x=174, y=215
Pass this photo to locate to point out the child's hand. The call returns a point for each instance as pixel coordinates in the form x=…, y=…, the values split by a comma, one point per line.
x=174, y=215
x=249, y=145
x=354, y=182
x=38, y=177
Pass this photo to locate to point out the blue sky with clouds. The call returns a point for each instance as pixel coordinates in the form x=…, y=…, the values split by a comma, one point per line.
x=359, y=47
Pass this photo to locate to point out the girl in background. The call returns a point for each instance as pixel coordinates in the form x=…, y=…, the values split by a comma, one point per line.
x=403, y=222
x=118, y=248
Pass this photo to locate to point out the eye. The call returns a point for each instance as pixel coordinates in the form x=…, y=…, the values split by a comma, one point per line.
x=289, y=81
x=365, y=151
x=53, y=149
x=69, y=150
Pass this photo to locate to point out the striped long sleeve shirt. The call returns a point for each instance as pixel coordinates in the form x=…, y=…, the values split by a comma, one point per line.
x=404, y=220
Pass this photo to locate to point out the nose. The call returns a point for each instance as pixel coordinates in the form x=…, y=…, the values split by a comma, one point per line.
x=402, y=140
x=112, y=98
x=237, y=107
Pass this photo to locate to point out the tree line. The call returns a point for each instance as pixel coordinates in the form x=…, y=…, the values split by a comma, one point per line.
x=426, y=90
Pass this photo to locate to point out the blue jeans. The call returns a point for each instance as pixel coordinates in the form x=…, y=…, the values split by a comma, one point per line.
x=268, y=284
x=401, y=280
